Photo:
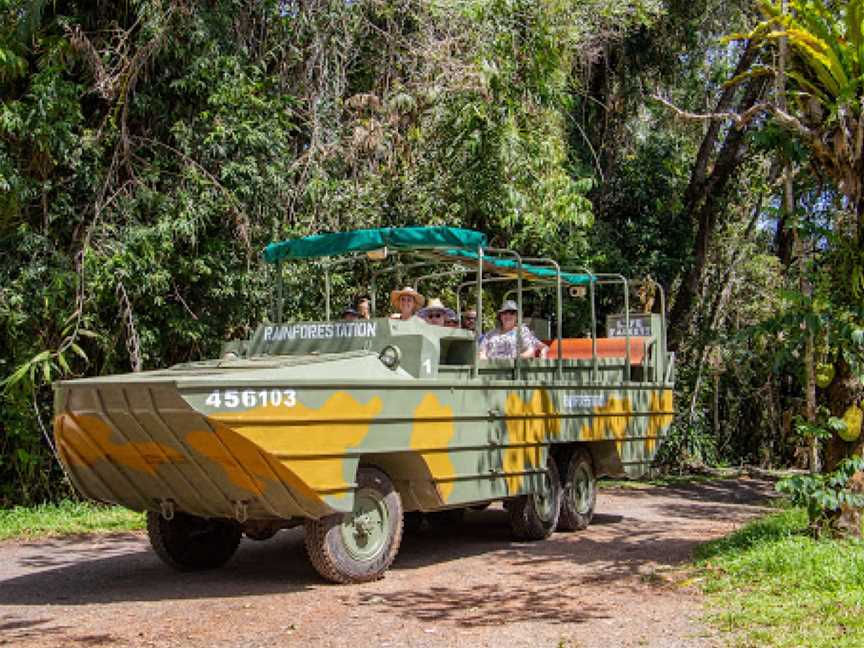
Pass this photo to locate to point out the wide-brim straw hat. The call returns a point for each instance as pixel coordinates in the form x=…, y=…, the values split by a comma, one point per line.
x=395, y=295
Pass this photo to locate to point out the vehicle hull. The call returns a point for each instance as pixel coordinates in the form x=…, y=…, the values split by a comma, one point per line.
x=272, y=448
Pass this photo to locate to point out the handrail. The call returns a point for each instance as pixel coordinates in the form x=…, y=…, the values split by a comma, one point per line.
x=623, y=280
x=540, y=285
x=595, y=365
x=463, y=266
x=447, y=273
x=517, y=365
x=559, y=310
x=329, y=263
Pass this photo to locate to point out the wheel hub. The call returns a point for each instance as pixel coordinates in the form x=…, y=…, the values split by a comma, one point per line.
x=544, y=500
x=580, y=494
x=365, y=529
x=364, y=526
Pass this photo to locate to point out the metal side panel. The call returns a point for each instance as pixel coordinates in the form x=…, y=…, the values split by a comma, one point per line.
x=142, y=445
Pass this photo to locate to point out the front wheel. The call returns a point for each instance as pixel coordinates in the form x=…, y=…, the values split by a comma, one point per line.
x=535, y=516
x=580, y=493
x=359, y=546
x=190, y=543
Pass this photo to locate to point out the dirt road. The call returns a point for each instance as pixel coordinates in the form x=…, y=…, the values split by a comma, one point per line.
x=469, y=585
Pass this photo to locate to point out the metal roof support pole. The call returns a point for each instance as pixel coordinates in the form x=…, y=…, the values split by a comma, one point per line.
x=592, y=281
x=627, y=330
x=271, y=294
x=559, y=310
x=595, y=365
x=661, y=352
x=518, y=257
x=327, y=291
x=280, y=300
x=559, y=315
x=398, y=267
x=478, y=323
x=518, y=364
x=372, y=305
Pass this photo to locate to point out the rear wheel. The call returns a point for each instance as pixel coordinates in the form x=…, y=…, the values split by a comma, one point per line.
x=189, y=543
x=580, y=493
x=361, y=545
x=535, y=516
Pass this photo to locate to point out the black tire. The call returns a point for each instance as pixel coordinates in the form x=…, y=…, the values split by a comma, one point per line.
x=580, y=493
x=191, y=543
x=335, y=544
x=535, y=516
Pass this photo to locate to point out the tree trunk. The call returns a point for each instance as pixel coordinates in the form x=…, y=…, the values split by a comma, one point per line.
x=705, y=199
x=845, y=390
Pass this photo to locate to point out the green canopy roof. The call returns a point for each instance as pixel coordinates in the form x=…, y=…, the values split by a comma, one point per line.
x=511, y=267
x=366, y=240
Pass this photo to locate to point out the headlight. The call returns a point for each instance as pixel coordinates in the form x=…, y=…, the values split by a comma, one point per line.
x=390, y=356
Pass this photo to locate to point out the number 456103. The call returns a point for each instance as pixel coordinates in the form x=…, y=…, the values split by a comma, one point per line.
x=231, y=398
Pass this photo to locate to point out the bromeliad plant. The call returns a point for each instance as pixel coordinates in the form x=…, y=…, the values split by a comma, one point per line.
x=826, y=74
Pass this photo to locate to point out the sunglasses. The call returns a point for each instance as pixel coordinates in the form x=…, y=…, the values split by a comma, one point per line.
x=434, y=315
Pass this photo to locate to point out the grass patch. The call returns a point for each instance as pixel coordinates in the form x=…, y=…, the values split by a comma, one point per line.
x=65, y=518
x=771, y=584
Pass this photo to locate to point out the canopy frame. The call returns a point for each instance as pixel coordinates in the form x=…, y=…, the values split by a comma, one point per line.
x=503, y=265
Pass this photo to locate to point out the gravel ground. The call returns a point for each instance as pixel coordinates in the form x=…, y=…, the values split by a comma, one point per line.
x=619, y=583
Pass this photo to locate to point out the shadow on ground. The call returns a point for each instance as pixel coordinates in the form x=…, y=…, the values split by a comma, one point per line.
x=547, y=581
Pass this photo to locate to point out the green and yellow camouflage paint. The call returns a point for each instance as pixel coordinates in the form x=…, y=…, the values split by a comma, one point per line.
x=280, y=432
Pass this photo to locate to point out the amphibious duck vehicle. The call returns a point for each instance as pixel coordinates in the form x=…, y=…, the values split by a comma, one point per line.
x=349, y=427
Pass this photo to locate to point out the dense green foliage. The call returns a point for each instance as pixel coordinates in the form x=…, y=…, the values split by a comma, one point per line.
x=771, y=584
x=824, y=495
x=150, y=148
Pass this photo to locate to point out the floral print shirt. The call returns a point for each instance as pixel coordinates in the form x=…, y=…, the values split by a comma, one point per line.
x=497, y=344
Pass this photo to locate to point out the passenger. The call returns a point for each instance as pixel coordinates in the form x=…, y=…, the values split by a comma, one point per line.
x=363, y=306
x=450, y=319
x=501, y=342
x=469, y=320
x=435, y=312
x=349, y=313
x=407, y=301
